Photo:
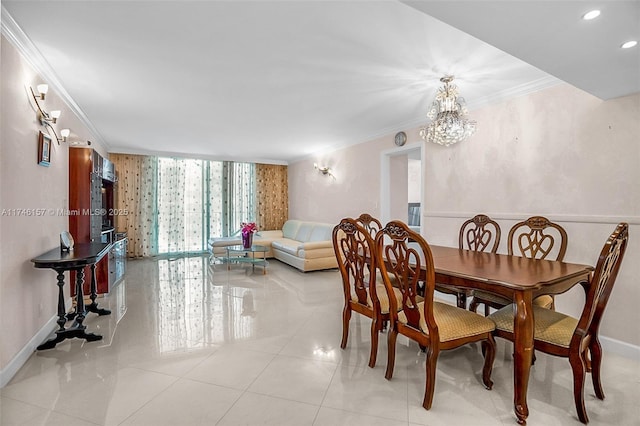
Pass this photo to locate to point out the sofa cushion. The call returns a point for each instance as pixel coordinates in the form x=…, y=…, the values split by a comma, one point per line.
x=287, y=245
x=290, y=229
x=321, y=232
x=304, y=231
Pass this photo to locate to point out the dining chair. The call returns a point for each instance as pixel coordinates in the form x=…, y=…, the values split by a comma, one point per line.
x=363, y=293
x=575, y=338
x=369, y=223
x=374, y=226
x=435, y=326
x=480, y=233
x=534, y=238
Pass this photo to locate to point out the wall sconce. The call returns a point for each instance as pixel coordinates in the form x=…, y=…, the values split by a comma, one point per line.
x=42, y=90
x=65, y=138
x=47, y=118
x=324, y=170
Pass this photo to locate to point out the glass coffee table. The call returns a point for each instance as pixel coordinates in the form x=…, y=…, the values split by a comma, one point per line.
x=240, y=254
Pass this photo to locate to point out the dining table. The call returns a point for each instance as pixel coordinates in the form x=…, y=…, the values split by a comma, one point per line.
x=520, y=279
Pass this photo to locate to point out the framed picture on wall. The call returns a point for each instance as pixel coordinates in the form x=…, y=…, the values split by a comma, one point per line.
x=44, y=149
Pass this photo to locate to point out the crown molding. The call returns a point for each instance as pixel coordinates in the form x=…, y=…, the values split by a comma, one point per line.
x=514, y=92
x=175, y=154
x=19, y=39
x=503, y=95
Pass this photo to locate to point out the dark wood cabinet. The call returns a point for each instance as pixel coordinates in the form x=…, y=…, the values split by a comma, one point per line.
x=91, y=207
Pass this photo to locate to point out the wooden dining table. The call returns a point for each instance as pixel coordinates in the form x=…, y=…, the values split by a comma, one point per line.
x=517, y=278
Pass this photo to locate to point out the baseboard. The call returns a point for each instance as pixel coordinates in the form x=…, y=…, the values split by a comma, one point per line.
x=21, y=357
x=10, y=370
x=621, y=348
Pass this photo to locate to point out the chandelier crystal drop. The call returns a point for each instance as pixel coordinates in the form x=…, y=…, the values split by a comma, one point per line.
x=448, y=111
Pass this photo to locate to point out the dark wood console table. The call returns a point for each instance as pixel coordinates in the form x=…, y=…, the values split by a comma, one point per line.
x=83, y=254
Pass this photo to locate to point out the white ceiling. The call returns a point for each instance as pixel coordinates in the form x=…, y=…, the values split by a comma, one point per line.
x=553, y=36
x=276, y=81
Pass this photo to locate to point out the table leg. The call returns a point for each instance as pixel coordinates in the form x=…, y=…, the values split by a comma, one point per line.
x=80, y=311
x=77, y=329
x=523, y=353
x=93, y=307
x=62, y=315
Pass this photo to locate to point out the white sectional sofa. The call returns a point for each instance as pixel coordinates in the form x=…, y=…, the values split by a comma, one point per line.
x=306, y=246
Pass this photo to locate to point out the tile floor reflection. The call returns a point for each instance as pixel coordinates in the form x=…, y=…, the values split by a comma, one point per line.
x=192, y=344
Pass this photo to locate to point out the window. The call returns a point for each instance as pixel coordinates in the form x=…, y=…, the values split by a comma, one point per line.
x=198, y=199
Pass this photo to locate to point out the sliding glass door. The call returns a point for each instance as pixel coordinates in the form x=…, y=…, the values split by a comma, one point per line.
x=198, y=199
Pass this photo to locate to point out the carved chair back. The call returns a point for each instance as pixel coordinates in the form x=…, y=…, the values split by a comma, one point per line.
x=406, y=258
x=353, y=245
x=601, y=284
x=536, y=238
x=480, y=233
x=369, y=223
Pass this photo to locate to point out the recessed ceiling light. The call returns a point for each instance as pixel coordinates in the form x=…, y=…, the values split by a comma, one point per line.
x=591, y=15
x=629, y=44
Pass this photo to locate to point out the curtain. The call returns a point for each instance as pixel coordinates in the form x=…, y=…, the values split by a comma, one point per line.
x=215, y=199
x=272, y=196
x=135, y=198
x=175, y=205
x=238, y=196
x=181, y=205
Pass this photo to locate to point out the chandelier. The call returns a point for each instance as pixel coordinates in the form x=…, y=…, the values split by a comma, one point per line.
x=447, y=113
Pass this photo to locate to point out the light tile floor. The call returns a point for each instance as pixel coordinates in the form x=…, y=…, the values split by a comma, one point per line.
x=191, y=344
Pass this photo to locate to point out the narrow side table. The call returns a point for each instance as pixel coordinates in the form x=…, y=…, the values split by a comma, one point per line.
x=75, y=260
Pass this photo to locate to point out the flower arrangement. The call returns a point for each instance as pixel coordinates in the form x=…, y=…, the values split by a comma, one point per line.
x=248, y=227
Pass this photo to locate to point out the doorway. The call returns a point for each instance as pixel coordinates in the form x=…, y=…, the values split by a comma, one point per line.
x=402, y=185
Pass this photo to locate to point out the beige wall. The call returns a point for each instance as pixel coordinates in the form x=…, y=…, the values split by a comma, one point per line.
x=560, y=152
x=415, y=187
x=28, y=296
x=354, y=188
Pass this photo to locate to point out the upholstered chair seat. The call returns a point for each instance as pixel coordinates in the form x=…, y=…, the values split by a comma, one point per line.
x=453, y=322
x=550, y=326
x=492, y=299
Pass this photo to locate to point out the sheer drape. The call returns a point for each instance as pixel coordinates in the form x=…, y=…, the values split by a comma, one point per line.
x=135, y=200
x=182, y=205
x=272, y=196
x=214, y=188
x=175, y=205
x=238, y=196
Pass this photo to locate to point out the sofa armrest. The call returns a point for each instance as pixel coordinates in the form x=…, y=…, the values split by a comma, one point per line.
x=312, y=245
